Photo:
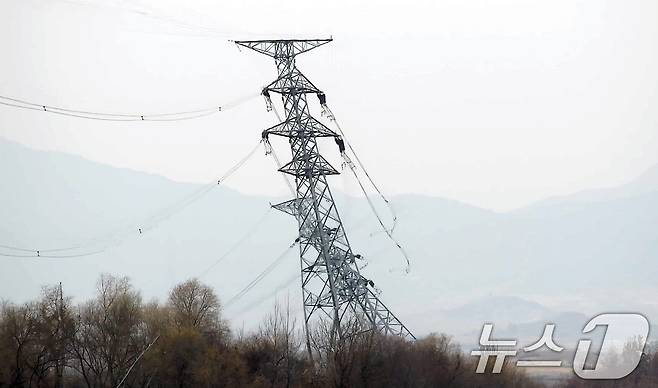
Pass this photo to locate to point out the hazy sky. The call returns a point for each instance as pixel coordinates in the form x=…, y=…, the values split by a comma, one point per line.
x=496, y=103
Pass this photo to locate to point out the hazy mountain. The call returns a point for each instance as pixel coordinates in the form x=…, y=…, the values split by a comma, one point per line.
x=592, y=252
x=644, y=184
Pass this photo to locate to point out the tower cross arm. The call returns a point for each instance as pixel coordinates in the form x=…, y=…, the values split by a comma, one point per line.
x=273, y=48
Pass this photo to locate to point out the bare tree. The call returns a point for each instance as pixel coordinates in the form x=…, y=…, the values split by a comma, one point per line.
x=54, y=330
x=18, y=329
x=340, y=356
x=110, y=333
x=43, y=345
x=195, y=305
x=279, y=339
x=190, y=337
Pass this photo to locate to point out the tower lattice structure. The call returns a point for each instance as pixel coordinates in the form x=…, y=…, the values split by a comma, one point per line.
x=332, y=285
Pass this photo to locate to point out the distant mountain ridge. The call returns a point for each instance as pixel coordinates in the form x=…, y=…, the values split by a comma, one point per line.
x=645, y=183
x=591, y=252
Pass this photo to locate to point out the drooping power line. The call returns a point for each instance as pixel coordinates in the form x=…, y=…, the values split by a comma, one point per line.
x=108, y=116
x=389, y=232
x=333, y=119
x=101, y=244
x=238, y=243
x=260, y=276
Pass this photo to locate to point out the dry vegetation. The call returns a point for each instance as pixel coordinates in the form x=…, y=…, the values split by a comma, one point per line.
x=53, y=343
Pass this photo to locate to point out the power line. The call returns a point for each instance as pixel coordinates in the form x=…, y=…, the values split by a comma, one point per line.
x=37, y=254
x=270, y=294
x=157, y=15
x=330, y=115
x=99, y=245
x=108, y=116
x=274, y=155
x=238, y=243
x=137, y=360
x=389, y=232
x=260, y=276
x=332, y=118
x=272, y=107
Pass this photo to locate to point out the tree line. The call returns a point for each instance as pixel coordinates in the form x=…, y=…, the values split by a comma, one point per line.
x=117, y=339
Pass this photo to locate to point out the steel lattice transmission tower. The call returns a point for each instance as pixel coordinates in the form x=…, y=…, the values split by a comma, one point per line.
x=331, y=282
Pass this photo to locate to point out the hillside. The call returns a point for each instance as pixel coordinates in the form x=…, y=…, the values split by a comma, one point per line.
x=586, y=253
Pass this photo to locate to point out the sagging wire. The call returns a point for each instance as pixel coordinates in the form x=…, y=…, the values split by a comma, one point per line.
x=148, y=12
x=102, y=244
x=261, y=276
x=137, y=360
x=346, y=162
x=238, y=243
x=283, y=174
x=326, y=112
x=270, y=294
x=288, y=282
x=38, y=254
x=166, y=213
x=105, y=116
x=341, y=145
x=285, y=284
x=269, y=150
x=381, y=223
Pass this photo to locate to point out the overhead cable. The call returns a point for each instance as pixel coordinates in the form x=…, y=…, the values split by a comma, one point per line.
x=389, y=232
x=137, y=360
x=271, y=107
x=260, y=276
x=381, y=223
x=99, y=245
x=270, y=294
x=238, y=243
x=330, y=115
x=106, y=116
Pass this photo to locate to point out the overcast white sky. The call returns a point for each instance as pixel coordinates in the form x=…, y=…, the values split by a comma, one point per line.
x=495, y=103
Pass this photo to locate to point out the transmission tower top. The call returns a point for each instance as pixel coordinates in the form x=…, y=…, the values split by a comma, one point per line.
x=282, y=47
